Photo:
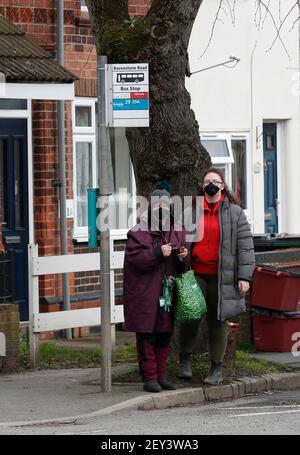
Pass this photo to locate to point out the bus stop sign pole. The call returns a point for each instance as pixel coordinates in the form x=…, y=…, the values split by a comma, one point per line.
x=103, y=144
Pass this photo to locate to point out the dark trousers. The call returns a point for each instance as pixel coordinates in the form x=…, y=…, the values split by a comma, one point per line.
x=217, y=330
x=152, y=353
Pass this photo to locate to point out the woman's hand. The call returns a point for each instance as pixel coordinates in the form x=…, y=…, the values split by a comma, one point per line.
x=166, y=249
x=183, y=252
x=243, y=286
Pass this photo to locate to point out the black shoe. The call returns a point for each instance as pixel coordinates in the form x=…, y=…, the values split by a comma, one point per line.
x=185, y=369
x=151, y=386
x=215, y=375
x=167, y=385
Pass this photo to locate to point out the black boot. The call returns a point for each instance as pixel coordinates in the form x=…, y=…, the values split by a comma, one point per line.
x=151, y=386
x=215, y=375
x=167, y=385
x=185, y=369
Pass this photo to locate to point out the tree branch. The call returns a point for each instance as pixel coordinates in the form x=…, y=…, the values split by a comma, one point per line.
x=281, y=25
x=232, y=10
x=213, y=28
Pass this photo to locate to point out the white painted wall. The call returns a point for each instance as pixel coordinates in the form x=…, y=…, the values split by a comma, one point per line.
x=263, y=86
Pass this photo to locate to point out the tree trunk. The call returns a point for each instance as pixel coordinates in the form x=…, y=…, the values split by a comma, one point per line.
x=170, y=149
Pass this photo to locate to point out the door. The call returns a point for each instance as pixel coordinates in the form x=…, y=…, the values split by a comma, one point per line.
x=270, y=177
x=15, y=227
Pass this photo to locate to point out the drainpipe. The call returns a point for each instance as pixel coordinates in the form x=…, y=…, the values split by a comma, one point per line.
x=253, y=133
x=62, y=162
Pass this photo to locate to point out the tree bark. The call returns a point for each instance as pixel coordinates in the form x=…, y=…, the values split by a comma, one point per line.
x=170, y=149
x=105, y=13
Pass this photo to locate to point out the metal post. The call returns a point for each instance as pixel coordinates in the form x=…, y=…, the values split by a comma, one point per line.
x=62, y=162
x=103, y=139
x=34, y=308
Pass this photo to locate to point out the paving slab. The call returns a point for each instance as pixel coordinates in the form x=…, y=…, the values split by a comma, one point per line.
x=285, y=358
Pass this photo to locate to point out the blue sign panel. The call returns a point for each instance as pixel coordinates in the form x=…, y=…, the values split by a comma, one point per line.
x=130, y=104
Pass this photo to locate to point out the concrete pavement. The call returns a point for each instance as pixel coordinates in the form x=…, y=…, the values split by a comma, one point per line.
x=73, y=395
x=51, y=394
x=268, y=413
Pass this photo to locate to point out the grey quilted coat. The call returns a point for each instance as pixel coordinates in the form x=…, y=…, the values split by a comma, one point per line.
x=236, y=256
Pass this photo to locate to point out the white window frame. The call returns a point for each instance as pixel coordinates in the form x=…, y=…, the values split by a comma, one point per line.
x=227, y=162
x=88, y=134
x=82, y=232
x=220, y=137
x=84, y=102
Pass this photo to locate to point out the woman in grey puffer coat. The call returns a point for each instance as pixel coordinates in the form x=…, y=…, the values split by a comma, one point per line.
x=222, y=255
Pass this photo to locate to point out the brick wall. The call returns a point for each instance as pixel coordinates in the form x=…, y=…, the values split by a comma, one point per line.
x=9, y=326
x=46, y=192
x=119, y=245
x=86, y=282
x=89, y=282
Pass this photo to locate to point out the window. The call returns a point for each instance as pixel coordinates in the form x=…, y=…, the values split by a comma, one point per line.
x=270, y=142
x=120, y=178
x=86, y=170
x=83, y=116
x=218, y=147
x=18, y=184
x=10, y=104
x=84, y=178
x=229, y=153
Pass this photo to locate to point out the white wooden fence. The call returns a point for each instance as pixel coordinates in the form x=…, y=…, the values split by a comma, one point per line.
x=58, y=320
x=2, y=345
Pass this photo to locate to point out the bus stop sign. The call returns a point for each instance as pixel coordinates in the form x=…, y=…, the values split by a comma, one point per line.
x=127, y=100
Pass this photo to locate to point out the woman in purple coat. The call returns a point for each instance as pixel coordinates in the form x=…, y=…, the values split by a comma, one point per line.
x=155, y=250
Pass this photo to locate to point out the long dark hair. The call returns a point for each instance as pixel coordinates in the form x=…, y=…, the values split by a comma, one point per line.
x=218, y=171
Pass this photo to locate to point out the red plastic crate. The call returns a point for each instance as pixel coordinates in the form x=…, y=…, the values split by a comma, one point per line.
x=233, y=334
x=276, y=290
x=274, y=334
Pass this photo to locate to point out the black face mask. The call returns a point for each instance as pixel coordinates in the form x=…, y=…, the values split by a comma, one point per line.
x=162, y=215
x=211, y=189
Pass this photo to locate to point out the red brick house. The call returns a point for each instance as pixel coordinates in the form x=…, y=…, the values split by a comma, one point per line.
x=40, y=194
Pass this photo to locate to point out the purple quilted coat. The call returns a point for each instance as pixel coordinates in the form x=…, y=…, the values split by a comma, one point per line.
x=144, y=269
